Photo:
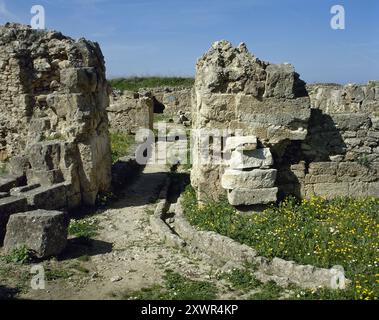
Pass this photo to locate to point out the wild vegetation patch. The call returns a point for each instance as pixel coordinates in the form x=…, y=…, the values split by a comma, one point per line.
x=20, y=255
x=176, y=287
x=318, y=232
x=85, y=228
x=136, y=83
x=120, y=144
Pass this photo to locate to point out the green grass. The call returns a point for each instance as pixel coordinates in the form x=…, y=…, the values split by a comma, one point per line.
x=176, y=287
x=241, y=279
x=85, y=228
x=268, y=291
x=56, y=274
x=318, y=232
x=120, y=144
x=20, y=255
x=3, y=169
x=137, y=83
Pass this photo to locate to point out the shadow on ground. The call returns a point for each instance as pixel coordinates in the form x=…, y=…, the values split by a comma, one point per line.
x=79, y=247
x=7, y=293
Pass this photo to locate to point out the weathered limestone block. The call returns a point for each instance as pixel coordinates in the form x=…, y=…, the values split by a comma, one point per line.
x=259, y=158
x=47, y=197
x=351, y=121
x=247, y=197
x=309, y=276
x=322, y=178
x=242, y=143
x=323, y=168
x=281, y=79
x=254, y=179
x=272, y=119
x=331, y=190
x=9, y=206
x=351, y=171
x=43, y=232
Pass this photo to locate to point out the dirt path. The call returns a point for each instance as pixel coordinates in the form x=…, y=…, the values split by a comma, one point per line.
x=126, y=255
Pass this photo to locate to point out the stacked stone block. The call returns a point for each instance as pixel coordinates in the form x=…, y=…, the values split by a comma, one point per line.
x=249, y=179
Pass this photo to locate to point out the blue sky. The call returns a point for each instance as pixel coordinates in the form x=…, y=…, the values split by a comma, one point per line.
x=165, y=37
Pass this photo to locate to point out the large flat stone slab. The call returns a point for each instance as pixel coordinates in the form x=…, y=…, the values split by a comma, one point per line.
x=255, y=179
x=48, y=197
x=9, y=206
x=43, y=232
x=248, y=197
x=246, y=143
x=251, y=159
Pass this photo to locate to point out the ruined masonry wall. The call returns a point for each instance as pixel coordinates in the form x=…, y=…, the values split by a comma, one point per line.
x=323, y=139
x=341, y=153
x=130, y=111
x=236, y=91
x=53, y=100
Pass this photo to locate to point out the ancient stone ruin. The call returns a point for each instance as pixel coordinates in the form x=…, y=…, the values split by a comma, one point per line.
x=278, y=137
x=129, y=111
x=54, y=125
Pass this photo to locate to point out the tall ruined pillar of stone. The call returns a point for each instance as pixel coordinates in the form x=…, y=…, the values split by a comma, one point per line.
x=53, y=100
x=265, y=103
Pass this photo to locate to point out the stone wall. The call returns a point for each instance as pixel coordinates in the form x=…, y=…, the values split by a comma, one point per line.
x=237, y=92
x=53, y=101
x=177, y=102
x=323, y=138
x=129, y=111
x=340, y=155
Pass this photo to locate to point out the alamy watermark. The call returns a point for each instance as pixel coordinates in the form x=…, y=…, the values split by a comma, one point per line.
x=38, y=20
x=38, y=281
x=338, y=21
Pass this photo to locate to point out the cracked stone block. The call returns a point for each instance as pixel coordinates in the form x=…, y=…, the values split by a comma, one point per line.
x=251, y=159
x=48, y=197
x=43, y=232
x=9, y=206
x=255, y=179
x=246, y=143
x=45, y=178
x=248, y=197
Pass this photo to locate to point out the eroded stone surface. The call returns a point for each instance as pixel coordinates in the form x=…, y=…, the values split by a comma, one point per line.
x=254, y=179
x=54, y=97
x=248, y=197
x=237, y=92
x=260, y=158
x=43, y=232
